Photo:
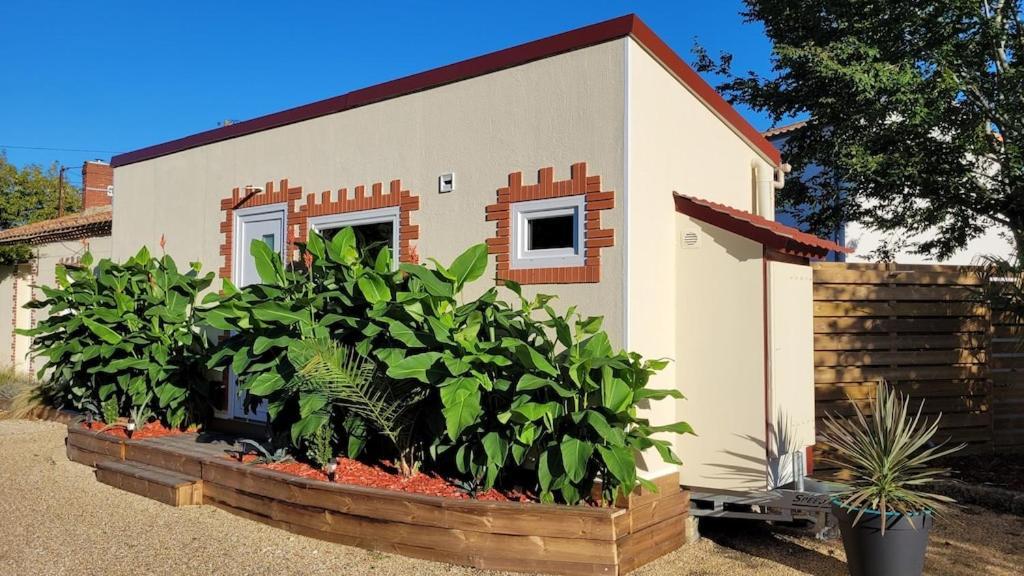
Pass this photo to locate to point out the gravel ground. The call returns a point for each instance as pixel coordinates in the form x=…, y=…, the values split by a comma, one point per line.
x=56, y=519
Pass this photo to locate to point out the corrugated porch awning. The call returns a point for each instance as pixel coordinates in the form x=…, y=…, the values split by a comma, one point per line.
x=757, y=228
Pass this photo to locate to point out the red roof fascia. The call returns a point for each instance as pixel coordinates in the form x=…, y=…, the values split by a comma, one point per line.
x=757, y=228
x=629, y=25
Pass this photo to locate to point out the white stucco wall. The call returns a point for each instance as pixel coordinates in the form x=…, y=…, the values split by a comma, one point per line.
x=790, y=366
x=552, y=112
x=20, y=284
x=719, y=358
x=676, y=143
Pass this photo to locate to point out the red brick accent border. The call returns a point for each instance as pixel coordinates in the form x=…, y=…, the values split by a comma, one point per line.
x=328, y=203
x=298, y=216
x=595, y=237
x=238, y=199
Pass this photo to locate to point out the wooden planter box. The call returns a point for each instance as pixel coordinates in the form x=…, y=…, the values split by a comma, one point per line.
x=89, y=447
x=495, y=535
x=529, y=537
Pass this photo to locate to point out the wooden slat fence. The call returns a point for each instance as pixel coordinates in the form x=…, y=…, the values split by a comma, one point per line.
x=924, y=329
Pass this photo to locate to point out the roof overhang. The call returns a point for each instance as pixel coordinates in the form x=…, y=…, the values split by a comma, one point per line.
x=71, y=227
x=769, y=233
x=624, y=26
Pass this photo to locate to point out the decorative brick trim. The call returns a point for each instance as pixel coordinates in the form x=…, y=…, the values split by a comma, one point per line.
x=595, y=237
x=281, y=195
x=14, y=318
x=328, y=203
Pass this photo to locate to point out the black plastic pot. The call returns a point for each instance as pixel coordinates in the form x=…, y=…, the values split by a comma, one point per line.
x=899, y=553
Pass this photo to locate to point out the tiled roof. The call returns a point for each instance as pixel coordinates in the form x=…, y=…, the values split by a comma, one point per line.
x=757, y=228
x=784, y=129
x=70, y=227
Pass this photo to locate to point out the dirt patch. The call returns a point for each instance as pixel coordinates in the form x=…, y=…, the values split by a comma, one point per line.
x=1000, y=470
x=58, y=520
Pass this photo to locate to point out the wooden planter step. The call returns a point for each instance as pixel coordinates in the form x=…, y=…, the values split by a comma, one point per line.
x=155, y=483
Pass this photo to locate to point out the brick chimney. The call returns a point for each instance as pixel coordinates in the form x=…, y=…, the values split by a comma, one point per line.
x=97, y=185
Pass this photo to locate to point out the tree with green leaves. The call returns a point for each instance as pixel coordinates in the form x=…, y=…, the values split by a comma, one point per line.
x=29, y=194
x=916, y=112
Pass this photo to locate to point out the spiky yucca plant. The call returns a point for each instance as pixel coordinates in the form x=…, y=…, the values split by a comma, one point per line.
x=888, y=456
x=348, y=380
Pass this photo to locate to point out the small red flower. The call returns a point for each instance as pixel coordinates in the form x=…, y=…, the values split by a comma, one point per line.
x=163, y=242
x=308, y=259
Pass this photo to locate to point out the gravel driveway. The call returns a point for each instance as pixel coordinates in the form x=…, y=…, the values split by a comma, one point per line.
x=56, y=519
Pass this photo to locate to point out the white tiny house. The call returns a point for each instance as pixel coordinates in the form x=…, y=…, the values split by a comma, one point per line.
x=595, y=164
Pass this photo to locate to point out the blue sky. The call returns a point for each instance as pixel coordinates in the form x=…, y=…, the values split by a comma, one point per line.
x=114, y=76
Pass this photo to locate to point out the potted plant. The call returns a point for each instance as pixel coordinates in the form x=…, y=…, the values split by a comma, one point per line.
x=884, y=516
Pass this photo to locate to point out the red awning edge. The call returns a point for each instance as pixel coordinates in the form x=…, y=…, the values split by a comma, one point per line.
x=767, y=232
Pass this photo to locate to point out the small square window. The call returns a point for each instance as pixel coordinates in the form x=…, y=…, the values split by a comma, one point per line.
x=547, y=233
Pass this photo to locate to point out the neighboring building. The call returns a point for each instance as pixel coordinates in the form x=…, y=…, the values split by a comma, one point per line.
x=865, y=242
x=563, y=155
x=56, y=241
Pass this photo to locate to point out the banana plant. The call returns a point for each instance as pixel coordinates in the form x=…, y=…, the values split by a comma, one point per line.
x=506, y=392
x=119, y=335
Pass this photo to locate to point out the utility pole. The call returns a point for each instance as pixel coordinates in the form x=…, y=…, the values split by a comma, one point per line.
x=60, y=191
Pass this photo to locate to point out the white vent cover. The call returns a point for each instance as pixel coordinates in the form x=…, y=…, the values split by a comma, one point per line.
x=689, y=239
x=446, y=182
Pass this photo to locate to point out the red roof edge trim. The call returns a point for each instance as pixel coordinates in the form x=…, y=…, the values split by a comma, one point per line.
x=766, y=232
x=629, y=25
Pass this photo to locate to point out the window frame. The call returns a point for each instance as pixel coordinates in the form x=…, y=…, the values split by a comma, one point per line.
x=390, y=214
x=522, y=257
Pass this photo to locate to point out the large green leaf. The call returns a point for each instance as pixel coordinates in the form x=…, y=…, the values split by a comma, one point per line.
x=277, y=312
x=265, y=384
x=434, y=285
x=531, y=357
x=268, y=263
x=619, y=461
x=496, y=448
x=469, y=266
x=102, y=331
x=415, y=366
x=575, y=456
x=404, y=334
x=460, y=398
x=374, y=289
x=616, y=395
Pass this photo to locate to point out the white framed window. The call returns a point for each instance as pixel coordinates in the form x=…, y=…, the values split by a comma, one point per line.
x=372, y=227
x=547, y=233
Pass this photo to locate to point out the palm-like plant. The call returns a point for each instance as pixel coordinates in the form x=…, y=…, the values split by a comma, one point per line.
x=343, y=378
x=1002, y=288
x=888, y=457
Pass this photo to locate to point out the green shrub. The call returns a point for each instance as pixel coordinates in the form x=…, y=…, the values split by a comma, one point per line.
x=507, y=398
x=123, y=336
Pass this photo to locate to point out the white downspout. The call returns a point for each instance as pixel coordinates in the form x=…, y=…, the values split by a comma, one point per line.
x=765, y=191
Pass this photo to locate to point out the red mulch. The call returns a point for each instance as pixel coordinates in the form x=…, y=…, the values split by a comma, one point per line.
x=150, y=430
x=383, y=476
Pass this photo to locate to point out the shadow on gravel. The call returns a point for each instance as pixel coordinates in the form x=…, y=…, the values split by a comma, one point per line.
x=757, y=539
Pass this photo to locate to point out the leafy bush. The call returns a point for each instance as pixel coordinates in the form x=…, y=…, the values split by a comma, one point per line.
x=123, y=337
x=507, y=399
x=888, y=456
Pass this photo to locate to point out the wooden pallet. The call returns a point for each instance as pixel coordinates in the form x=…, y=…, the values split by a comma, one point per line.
x=154, y=483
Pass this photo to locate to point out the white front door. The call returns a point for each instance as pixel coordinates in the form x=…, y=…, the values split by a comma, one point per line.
x=267, y=224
